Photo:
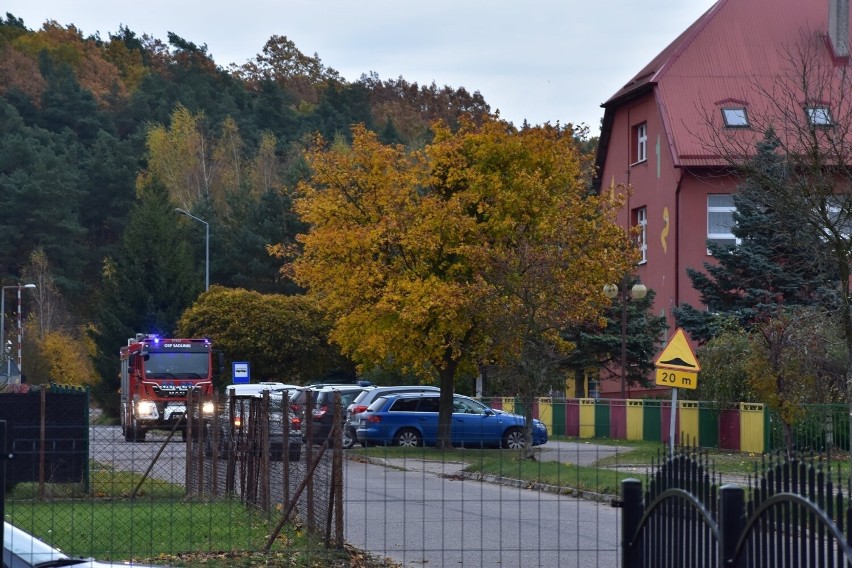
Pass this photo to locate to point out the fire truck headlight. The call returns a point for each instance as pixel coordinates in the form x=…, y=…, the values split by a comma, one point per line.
x=208, y=407
x=146, y=408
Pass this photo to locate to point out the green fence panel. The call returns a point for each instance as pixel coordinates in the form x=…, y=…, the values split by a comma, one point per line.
x=559, y=417
x=651, y=430
x=708, y=425
x=602, y=419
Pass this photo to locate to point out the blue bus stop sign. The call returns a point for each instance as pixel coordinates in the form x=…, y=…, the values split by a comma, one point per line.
x=241, y=372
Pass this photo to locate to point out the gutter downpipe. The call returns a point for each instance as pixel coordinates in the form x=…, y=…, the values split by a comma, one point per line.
x=677, y=238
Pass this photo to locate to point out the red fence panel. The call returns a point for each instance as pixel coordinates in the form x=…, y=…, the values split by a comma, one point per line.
x=729, y=429
x=572, y=417
x=618, y=419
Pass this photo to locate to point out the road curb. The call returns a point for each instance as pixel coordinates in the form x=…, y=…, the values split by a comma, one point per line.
x=496, y=480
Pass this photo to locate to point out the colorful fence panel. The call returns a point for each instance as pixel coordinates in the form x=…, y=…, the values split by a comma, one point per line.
x=708, y=425
x=559, y=416
x=652, y=429
x=603, y=419
x=635, y=420
x=545, y=412
x=729, y=429
x=618, y=419
x=752, y=427
x=572, y=418
x=689, y=423
x=587, y=418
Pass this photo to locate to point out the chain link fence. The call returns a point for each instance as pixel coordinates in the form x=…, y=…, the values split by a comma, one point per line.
x=236, y=475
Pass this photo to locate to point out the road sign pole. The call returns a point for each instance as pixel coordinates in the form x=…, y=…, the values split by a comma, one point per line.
x=672, y=420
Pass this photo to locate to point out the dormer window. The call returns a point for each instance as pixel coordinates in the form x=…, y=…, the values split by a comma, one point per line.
x=735, y=117
x=818, y=115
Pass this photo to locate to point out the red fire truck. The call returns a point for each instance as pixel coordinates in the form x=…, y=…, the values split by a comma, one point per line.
x=156, y=374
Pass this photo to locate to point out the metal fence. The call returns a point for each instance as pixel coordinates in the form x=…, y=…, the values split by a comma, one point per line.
x=82, y=488
x=791, y=514
x=88, y=491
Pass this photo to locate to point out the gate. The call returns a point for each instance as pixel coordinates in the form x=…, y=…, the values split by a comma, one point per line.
x=791, y=515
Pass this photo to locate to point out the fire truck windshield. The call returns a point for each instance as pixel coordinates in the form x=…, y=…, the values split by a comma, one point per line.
x=189, y=365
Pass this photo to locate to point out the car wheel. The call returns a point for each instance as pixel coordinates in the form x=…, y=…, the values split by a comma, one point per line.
x=513, y=439
x=408, y=438
x=295, y=453
x=349, y=438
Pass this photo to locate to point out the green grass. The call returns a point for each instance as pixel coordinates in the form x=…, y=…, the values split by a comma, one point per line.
x=603, y=476
x=160, y=525
x=105, y=481
x=180, y=533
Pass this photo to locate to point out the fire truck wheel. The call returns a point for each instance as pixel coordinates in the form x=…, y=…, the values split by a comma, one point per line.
x=134, y=433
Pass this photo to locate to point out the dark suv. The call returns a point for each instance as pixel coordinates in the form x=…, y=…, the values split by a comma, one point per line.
x=323, y=406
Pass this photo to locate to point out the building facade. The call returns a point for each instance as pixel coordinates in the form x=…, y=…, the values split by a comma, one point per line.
x=663, y=131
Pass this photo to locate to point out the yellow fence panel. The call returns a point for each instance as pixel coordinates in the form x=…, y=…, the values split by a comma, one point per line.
x=688, y=423
x=751, y=427
x=587, y=418
x=635, y=420
x=509, y=404
x=545, y=413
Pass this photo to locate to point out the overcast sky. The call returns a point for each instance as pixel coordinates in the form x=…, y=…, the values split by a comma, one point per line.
x=539, y=60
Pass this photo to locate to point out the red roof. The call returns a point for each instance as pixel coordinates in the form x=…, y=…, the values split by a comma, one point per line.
x=731, y=53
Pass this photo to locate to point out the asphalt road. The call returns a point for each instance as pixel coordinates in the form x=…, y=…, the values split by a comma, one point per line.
x=425, y=517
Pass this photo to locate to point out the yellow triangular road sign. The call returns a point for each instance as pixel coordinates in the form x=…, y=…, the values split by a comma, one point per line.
x=678, y=354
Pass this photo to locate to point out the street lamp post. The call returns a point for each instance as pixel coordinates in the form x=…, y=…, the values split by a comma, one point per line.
x=19, y=287
x=637, y=292
x=206, y=245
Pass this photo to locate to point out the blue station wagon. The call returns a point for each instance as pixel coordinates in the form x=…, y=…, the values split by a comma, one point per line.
x=412, y=420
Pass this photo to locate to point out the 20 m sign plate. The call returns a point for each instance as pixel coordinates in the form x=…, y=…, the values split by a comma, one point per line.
x=677, y=378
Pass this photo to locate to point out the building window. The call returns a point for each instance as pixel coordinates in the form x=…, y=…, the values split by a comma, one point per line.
x=640, y=136
x=818, y=115
x=640, y=220
x=735, y=117
x=720, y=219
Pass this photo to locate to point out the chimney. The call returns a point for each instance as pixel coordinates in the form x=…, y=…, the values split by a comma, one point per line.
x=838, y=27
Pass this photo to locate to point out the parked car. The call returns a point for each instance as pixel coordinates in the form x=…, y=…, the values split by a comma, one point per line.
x=238, y=424
x=358, y=406
x=412, y=420
x=23, y=550
x=323, y=409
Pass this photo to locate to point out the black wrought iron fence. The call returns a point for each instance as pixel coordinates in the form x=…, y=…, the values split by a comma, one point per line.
x=790, y=514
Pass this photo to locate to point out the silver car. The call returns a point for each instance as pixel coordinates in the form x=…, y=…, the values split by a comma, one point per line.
x=365, y=399
x=23, y=550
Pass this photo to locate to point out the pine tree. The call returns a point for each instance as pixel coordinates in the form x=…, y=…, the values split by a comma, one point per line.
x=145, y=288
x=772, y=267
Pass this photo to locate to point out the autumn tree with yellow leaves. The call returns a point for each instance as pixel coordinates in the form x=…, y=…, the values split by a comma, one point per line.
x=469, y=251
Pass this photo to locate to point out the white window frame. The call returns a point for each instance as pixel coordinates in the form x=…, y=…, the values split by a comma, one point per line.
x=819, y=115
x=641, y=142
x=642, y=237
x=735, y=117
x=718, y=208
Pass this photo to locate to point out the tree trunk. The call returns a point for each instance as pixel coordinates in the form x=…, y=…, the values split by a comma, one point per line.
x=447, y=377
x=579, y=383
x=528, y=400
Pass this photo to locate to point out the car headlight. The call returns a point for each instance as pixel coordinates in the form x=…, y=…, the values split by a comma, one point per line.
x=208, y=407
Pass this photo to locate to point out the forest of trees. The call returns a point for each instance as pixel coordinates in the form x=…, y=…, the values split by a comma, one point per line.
x=102, y=139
